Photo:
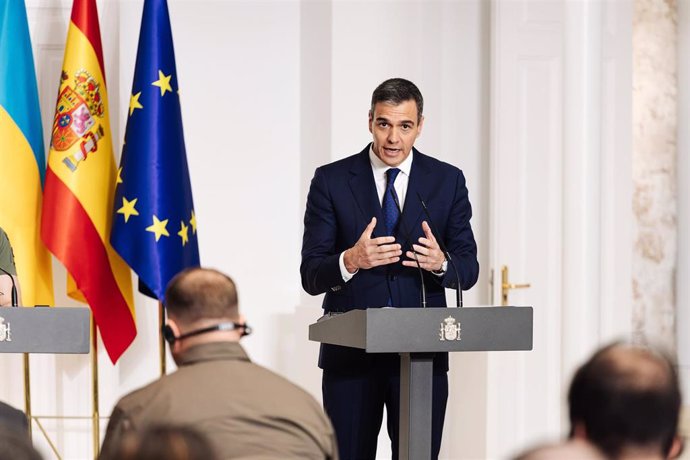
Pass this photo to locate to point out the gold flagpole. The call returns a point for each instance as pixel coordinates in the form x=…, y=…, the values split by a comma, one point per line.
x=94, y=374
x=161, y=340
x=27, y=391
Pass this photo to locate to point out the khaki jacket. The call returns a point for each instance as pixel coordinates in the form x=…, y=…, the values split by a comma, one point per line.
x=245, y=410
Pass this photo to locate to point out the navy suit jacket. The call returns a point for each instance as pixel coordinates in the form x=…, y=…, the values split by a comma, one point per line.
x=341, y=202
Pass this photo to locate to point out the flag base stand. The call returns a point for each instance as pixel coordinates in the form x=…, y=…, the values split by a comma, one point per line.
x=31, y=418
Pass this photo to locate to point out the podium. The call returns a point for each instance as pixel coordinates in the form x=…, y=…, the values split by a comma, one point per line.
x=45, y=330
x=416, y=334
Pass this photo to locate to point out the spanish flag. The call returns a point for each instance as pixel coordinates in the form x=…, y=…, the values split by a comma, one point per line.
x=22, y=157
x=80, y=185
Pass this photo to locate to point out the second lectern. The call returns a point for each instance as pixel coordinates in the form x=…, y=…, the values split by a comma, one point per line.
x=416, y=334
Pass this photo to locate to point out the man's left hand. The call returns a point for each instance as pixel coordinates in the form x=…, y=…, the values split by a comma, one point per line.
x=429, y=253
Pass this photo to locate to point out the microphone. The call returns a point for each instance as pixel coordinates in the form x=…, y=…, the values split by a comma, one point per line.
x=458, y=291
x=15, y=302
x=407, y=235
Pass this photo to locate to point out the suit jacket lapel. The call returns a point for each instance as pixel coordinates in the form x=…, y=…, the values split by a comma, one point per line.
x=363, y=190
x=420, y=183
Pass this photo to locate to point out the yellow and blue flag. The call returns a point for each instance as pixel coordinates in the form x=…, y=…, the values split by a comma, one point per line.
x=154, y=225
x=22, y=156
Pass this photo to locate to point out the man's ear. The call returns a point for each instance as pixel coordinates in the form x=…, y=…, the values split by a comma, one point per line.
x=371, y=121
x=579, y=431
x=677, y=447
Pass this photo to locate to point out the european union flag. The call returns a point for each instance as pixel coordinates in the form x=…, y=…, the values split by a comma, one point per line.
x=154, y=226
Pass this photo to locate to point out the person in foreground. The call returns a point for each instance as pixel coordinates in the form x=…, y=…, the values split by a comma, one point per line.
x=570, y=450
x=626, y=401
x=364, y=226
x=7, y=270
x=243, y=409
x=15, y=445
x=13, y=419
x=165, y=442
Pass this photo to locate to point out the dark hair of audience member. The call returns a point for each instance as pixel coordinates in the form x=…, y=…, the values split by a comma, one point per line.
x=569, y=450
x=164, y=442
x=626, y=397
x=15, y=445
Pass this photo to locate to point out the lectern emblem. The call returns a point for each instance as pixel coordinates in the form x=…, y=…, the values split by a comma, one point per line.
x=5, y=332
x=449, y=330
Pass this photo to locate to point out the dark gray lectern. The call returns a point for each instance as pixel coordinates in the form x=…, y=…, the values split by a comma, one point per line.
x=416, y=333
x=45, y=330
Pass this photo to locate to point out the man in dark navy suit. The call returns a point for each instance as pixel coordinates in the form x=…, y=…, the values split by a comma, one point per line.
x=360, y=212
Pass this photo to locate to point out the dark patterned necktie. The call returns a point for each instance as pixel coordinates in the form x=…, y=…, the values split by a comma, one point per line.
x=391, y=213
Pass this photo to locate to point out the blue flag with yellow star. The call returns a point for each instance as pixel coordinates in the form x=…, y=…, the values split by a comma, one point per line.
x=154, y=226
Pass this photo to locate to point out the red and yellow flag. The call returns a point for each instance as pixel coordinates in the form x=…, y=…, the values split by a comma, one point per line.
x=80, y=184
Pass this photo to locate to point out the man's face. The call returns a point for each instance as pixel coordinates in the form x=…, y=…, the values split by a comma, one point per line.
x=395, y=128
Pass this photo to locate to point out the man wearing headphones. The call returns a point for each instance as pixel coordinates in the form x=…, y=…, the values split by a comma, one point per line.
x=243, y=409
x=8, y=271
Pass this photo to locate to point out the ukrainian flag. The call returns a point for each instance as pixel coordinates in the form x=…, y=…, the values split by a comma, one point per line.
x=22, y=158
x=154, y=225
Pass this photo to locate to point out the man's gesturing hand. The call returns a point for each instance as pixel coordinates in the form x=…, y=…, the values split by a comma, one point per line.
x=429, y=253
x=371, y=252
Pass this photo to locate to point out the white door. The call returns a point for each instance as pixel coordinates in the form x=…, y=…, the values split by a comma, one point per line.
x=526, y=140
x=560, y=200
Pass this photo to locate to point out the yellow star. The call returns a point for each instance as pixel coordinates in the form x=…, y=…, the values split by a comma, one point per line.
x=128, y=209
x=119, y=176
x=134, y=103
x=184, y=233
x=163, y=82
x=158, y=227
x=192, y=221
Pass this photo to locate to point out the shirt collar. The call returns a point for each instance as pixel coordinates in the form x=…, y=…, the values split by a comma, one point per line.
x=380, y=167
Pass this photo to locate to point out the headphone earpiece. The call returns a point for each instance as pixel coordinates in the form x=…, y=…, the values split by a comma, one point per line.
x=168, y=334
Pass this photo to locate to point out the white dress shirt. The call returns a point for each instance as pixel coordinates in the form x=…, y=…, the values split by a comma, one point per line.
x=379, y=169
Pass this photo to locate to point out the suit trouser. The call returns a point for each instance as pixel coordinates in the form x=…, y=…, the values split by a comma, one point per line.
x=355, y=400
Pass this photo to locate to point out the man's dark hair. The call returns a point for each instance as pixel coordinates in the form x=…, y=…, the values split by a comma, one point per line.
x=626, y=396
x=201, y=293
x=396, y=91
x=16, y=446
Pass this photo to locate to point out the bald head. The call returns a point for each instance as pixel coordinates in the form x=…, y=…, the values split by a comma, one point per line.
x=626, y=397
x=201, y=294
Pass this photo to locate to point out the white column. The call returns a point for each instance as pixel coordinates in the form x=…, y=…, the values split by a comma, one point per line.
x=582, y=74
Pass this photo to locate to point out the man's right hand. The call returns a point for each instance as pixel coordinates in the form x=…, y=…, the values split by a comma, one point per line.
x=371, y=252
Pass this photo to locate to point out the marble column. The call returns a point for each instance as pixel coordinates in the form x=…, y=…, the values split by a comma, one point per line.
x=654, y=171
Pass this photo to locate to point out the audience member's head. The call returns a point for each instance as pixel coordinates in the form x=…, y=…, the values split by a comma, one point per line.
x=626, y=400
x=202, y=307
x=13, y=419
x=165, y=442
x=570, y=450
x=14, y=445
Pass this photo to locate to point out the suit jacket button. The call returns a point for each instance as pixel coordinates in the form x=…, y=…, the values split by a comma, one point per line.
x=393, y=277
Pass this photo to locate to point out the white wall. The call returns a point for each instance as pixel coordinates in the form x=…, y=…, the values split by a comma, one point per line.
x=270, y=90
